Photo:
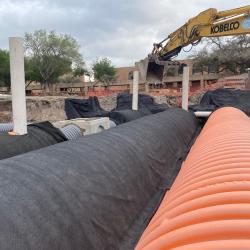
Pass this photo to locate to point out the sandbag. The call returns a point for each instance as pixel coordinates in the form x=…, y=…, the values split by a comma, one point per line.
x=95, y=192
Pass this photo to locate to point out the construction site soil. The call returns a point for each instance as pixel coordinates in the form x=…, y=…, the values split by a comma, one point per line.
x=51, y=108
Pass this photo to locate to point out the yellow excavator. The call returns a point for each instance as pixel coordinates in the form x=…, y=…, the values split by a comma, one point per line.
x=209, y=23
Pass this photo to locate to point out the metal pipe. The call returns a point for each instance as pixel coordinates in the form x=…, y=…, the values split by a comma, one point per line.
x=18, y=85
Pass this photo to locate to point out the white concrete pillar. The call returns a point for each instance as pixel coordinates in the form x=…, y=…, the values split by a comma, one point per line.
x=18, y=85
x=185, y=87
x=135, y=90
x=248, y=73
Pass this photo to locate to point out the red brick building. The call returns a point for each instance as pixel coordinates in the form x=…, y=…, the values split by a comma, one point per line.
x=170, y=81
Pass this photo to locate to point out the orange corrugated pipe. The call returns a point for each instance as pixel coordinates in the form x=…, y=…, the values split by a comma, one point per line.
x=208, y=206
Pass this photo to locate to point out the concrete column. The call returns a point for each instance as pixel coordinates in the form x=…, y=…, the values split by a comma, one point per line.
x=131, y=87
x=185, y=87
x=85, y=89
x=247, y=84
x=175, y=85
x=18, y=85
x=202, y=83
x=135, y=90
x=248, y=73
x=176, y=71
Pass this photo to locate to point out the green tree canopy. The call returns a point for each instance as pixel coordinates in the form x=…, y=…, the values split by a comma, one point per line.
x=104, y=71
x=4, y=68
x=50, y=55
x=231, y=54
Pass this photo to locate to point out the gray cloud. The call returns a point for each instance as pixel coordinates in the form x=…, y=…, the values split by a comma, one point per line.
x=123, y=30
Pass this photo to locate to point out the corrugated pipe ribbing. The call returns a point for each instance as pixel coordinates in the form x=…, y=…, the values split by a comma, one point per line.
x=208, y=206
x=6, y=127
x=70, y=131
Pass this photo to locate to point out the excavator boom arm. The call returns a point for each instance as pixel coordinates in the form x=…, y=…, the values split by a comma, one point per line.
x=209, y=23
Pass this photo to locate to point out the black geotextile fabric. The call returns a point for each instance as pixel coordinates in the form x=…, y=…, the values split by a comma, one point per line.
x=218, y=98
x=79, y=108
x=86, y=108
x=39, y=135
x=96, y=192
x=145, y=102
x=127, y=115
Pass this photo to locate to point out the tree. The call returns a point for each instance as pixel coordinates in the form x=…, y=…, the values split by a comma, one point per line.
x=79, y=71
x=231, y=54
x=104, y=71
x=4, y=68
x=51, y=55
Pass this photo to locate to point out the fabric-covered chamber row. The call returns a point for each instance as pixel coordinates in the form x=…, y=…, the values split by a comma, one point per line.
x=70, y=131
x=219, y=98
x=39, y=135
x=208, y=206
x=95, y=192
x=86, y=108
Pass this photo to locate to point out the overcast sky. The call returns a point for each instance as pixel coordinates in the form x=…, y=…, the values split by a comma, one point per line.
x=122, y=30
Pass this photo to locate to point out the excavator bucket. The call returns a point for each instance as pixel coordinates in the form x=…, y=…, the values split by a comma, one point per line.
x=155, y=72
x=151, y=72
